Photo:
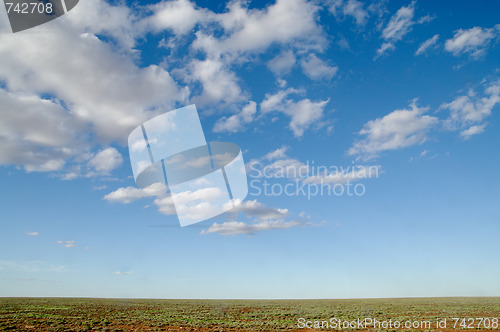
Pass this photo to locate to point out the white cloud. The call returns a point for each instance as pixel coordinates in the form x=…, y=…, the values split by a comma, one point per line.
x=259, y=210
x=303, y=113
x=237, y=35
x=355, y=9
x=237, y=227
x=107, y=100
x=282, y=63
x=473, y=130
x=474, y=41
x=427, y=44
x=236, y=122
x=398, y=129
x=122, y=273
x=165, y=205
x=32, y=233
x=316, y=69
x=130, y=194
x=180, y=16
x=67, y=244
x=220, y=85
x=399, y=25
x=352, y=8
x=99, y=17
x=116, y=90
x=248, y=31
x=277, y=154
x=36, y=133
x=468, y=112
x=106, y=160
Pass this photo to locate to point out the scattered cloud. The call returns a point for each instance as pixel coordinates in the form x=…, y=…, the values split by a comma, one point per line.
x=30, y=138
x=106, y=160
x=32, y=233
x=427, y=44
x=255, y=30
x=258, y=210
x=282, y=63
x=277, y=154
x=50, y=124
x=238, y=227
x=236, y=122
x=100, y=187
x=399, y=26
x=179, y=16
x=468, y=112
x=398, y=129
x=303, y=113
x=236, y=36
x=67, y=244
x=122, y=273
x=262, y=218
x=220, y=84
x=474, y=41
x=316, y=69
x=130, y=194
x=351, y=8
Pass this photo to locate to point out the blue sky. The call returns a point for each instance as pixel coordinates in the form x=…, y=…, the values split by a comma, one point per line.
x=397, y=99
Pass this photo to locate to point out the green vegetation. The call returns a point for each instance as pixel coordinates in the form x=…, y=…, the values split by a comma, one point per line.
x=81, y=314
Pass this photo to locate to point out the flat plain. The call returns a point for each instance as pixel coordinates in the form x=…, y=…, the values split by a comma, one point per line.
x=90, y=314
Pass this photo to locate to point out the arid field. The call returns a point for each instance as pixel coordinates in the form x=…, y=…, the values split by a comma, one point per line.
x=84, y=314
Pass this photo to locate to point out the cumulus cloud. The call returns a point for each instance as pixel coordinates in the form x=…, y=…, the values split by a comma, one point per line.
x=303, y=113
x=122, y=273
x=220, y=84
x=427, y=44
x=179, y=16
x=262, y=218
x=277, y=154
x=112, y=96
x=398, y=129
x=99, y=40
x=237, y=36
x=282, y=63
x=258, y=210
x=32, y=233
x=36, y=133
x=474, y=41
x=316, y=69
x=236, y=122
x=469, y=112
x=254, y=30
x=106, y=160
x=130, y=194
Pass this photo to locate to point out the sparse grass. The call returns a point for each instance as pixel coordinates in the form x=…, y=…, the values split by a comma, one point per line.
x=79, y=314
